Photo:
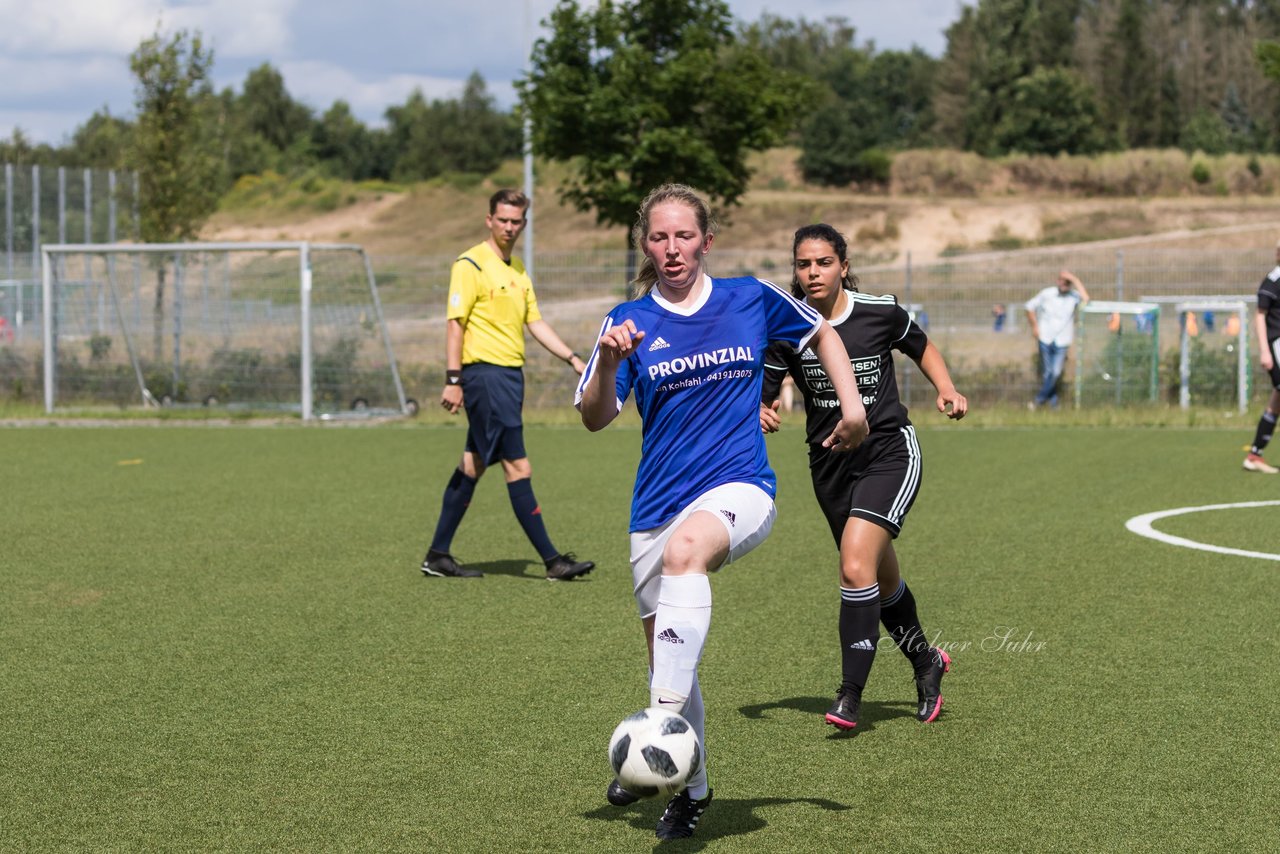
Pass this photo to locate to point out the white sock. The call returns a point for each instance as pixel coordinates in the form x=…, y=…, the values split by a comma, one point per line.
x=696, y=714
x=679, y=631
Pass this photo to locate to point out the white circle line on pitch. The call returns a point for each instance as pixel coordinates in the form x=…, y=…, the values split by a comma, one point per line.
x=1141, y=525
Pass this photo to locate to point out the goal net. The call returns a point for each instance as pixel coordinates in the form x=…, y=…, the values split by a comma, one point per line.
x=1117, y=353
x=258, y=326
x=1212, y=362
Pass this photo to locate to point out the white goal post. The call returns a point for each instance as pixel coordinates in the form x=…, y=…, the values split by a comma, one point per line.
x=258, y=325
x=1237, y=306
x=1120, y=364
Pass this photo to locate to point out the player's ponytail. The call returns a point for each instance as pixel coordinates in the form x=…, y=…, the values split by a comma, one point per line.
x=647, y=274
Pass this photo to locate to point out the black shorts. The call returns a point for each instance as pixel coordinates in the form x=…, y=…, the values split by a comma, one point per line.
x=494, y=397
x=878, y=482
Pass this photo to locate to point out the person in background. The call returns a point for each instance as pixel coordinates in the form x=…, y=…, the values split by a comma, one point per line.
x=491, y=302
x=1051, y=315
x=1266, y=327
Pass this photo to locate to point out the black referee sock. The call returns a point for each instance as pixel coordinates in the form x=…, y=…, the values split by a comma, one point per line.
x=1266, y=426
x=898, y=613
x=859, y=631
x=530, y=516
x=457, y=498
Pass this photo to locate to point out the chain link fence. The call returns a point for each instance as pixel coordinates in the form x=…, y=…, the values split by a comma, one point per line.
x=54, y=205
x=973, y=308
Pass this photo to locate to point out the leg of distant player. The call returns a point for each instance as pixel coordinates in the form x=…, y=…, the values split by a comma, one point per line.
x=898, y=612
x=518, y=474
x=861, y=546
x=1262, y=436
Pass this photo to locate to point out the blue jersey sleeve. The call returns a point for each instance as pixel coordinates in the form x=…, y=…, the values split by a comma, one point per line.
x=786, y=318
x=626, y=371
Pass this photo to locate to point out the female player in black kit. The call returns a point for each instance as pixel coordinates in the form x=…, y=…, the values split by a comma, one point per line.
x=866, y=494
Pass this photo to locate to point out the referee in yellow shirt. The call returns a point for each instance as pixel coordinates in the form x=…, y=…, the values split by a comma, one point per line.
x=491, y=300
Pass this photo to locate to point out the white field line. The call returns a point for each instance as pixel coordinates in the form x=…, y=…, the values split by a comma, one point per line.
x=1141, y=525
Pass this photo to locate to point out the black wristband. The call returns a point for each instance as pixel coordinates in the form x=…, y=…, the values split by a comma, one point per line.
x=572, y=356
x=452, y=377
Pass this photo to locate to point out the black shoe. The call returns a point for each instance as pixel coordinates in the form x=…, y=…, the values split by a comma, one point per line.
x=619, y=796
x=443, y=565
x=929, y=686
x=843, y=713
x=566, y=567
x=681, y=817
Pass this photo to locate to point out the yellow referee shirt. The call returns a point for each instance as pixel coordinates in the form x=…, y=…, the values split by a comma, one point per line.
x=493, y=300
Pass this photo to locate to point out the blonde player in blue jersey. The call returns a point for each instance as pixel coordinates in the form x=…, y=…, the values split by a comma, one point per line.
x=691, y=349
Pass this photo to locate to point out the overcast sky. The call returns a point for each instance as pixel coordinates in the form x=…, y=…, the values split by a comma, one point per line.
x=60, y=60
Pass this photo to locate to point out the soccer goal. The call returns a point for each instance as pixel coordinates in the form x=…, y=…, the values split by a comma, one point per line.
x=289, y=326
x=1117, y=353
x=1213, y=348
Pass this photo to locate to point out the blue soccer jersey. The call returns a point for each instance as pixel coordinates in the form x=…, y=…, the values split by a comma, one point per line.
x=697, y=379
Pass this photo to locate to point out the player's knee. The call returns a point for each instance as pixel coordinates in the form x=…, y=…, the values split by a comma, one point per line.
x=858, y=570
x=684, y=553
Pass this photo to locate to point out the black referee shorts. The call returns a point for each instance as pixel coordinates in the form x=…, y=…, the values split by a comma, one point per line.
x=878, y=482
x=494, y=398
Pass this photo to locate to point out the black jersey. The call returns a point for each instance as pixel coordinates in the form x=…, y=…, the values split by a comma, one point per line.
x=1269, y=302
x=871, y=327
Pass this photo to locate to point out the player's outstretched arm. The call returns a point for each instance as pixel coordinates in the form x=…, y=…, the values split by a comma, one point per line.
x=852, y=428
x=599, y=404
x=934, y=367
x=545, y=335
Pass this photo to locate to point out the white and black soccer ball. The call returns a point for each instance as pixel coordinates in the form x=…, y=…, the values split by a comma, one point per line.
x=654, y=752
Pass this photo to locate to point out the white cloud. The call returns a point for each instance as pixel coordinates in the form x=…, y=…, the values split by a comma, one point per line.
x=98, y=27
x=319, y=84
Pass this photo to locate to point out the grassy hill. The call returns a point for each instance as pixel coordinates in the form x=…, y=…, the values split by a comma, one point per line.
x=938, y=203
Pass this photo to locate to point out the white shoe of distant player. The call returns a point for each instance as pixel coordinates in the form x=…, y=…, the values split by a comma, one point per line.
x=1253, y=462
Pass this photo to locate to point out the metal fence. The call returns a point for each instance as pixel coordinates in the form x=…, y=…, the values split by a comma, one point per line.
x=54, y=205
x=972, y=307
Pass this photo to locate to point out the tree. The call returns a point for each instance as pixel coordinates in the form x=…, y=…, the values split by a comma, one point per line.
x=635, y=93
x=465, y=135
x=101, y=143
x=344, y=146
x=178, y=169
x=1051, y=111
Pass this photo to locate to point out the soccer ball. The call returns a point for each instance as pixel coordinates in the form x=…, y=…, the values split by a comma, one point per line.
x=654, y=752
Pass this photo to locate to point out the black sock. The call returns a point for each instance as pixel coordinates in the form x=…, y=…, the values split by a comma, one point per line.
x=859, y=632
x=898, y=613
x=1266, y=426
x=530, y=515
x=457, y=498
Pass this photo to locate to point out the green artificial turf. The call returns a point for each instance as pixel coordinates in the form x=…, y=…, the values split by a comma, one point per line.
x=217, y=638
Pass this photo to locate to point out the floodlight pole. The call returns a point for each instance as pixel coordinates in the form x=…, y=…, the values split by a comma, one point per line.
x=528, y=153
x=304, y=299
x=46, y=287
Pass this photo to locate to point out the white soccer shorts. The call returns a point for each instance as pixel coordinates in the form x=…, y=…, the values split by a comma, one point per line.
x=747, y=513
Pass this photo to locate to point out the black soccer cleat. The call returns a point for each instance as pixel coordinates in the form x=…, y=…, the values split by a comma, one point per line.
x=680, y=819
x=619, y=796
x=843, y=713
x=566, y=567
x=929, y=686
x=443, y=565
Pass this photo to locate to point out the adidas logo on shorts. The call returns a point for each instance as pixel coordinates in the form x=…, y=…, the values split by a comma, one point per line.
x=659, y=343
x=730, y=516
